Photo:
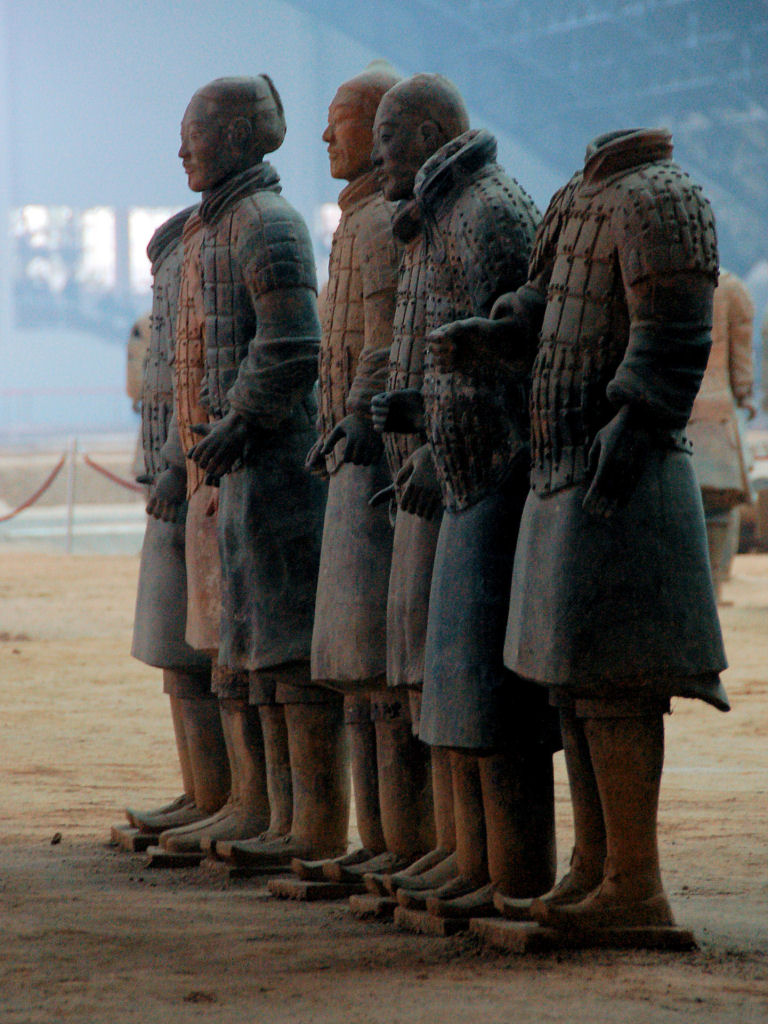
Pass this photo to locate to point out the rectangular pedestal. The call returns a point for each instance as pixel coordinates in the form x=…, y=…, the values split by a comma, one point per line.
x=157, y=857
x=298, y=889
x=366, y=906
x=422, y=923
x=517, y=937
x=131, y=839
x=229, y=870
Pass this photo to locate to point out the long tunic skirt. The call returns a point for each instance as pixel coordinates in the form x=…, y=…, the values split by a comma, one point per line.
x=464, y=676
x=349, y=639
x=604, y=607
x=413, y=553
x=161, y=601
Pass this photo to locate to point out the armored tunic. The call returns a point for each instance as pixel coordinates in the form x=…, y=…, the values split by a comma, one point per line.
x=349, y=636
x=718, y=453
x=478, y=231
x=161, y=601
x=627, y=259
x=261, y=337
x=189, y=365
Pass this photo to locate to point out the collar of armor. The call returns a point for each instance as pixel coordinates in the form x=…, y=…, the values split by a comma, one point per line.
x=167, y=235
x=407, y=221
x=447, y=171
x=257, y=178
x=363, y=187
x=618, y=152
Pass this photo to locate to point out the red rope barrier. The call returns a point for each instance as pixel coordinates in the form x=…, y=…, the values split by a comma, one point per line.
x=129, y=485
x=41, y=490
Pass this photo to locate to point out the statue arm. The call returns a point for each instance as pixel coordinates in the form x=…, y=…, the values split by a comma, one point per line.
x=669, y=283
x=741, y=314
x=377, y=257
x=280, y=366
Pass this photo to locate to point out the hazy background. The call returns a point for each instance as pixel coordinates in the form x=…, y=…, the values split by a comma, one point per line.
x=92, y=94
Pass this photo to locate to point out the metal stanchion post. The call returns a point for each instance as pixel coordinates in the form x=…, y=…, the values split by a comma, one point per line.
x=71, y=468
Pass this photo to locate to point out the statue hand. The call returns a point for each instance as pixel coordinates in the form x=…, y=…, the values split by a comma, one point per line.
x=222, y=446
x=364, y=446
x=467, y=343
x=315, y=460
x=417, y=487
x=398, y=412
x=617, y=459
x=168, y=494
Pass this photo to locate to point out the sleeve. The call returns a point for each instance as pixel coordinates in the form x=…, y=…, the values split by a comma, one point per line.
x=495, y=247
x=667, y=252
x=280, y=366
x=378, y=258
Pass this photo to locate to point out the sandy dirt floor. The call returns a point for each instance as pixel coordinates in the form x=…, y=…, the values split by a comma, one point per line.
x=90, y=935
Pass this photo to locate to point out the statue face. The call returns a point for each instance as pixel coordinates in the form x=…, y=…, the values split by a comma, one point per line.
x=399, y=148
x=205, y=152
x=349, y=138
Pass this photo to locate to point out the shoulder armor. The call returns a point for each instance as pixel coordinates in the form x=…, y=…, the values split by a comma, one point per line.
x=273, y=244
x=497, y=227
x=547, y=234
x=663, y=225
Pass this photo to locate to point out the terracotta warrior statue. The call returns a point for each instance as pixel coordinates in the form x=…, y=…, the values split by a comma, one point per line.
x=161, y=603
x=612, y=607
x=349, y=638
x=720, y=455
x=470, y=230
x=251, y=336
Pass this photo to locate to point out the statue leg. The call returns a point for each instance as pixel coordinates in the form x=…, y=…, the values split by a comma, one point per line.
x=407, y=817
x=208, y=756
x=201, y=752
x=361, y=736
x=180, y=735
x=627, y=756
x=246, y=813
x=438, y=866
x=184, y=803
x=365, y=785
x=471, y=840
x=277, y=759
x=317, y=748
x=588, y=854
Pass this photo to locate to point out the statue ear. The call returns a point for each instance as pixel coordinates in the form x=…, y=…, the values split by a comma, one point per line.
x=240, y=133
x=431, y=136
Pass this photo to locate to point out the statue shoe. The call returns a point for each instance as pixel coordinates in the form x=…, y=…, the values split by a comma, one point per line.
x=387, y=861
x=275, y=853
x=568, y=890
x=312, y=870
x=603, y=909
x=189, y=814
x=186, y=839
x=440, y=872
x=478, y=903
x=177, y=804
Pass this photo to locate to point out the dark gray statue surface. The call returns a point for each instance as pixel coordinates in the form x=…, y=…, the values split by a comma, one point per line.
x=252, y=281
x=469, y=230
x=612, y=605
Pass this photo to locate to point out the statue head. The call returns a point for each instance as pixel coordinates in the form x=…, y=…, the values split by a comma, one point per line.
x=229, y=125
x=415, y=118
x=349, y=133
